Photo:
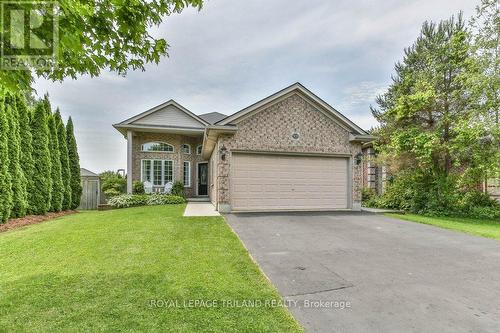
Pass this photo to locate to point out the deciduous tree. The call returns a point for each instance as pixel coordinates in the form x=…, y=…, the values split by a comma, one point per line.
x=99, y=34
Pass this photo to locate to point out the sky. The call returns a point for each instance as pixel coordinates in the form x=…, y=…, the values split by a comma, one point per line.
x=231, y=54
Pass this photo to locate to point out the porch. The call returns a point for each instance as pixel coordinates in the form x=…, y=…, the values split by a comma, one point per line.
x=161, y=159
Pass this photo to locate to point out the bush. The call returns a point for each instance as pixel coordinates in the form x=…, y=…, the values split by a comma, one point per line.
x=178, y=189
x=133, y=200
x=127, y=200
x=475, y=198
x=113, y=180
x=162, y=199
x=137, y=187
x=433, y=195
x=111, y=193
x=491, y=213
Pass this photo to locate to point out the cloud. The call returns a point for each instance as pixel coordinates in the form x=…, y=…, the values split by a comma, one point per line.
x=233, y=53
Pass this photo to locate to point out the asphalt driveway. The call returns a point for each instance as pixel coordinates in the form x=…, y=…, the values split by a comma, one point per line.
x=361, y=272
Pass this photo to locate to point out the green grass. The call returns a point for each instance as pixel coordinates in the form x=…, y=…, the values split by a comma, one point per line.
x=478, y=227
x=99, y=271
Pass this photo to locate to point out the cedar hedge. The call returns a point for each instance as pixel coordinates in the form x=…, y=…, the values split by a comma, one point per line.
x=39, y=164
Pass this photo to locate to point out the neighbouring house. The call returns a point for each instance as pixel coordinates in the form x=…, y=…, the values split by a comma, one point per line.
x=288, y=151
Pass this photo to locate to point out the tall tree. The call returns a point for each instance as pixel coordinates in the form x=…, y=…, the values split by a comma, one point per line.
x=94, y=35
x=5, y=178
x=63, y=150
x=478, y=132
x=26, y=160
x=40, y=195
x=427, y=98
x=421, y=113
x=55, y=157
x=74, y=165
x=485, y=25
x=18, y=179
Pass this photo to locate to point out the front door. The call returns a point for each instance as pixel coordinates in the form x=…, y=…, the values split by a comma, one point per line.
x=203, y=179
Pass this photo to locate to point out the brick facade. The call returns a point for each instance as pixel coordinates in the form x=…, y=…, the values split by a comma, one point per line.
x=177, y=156
x=271, y=130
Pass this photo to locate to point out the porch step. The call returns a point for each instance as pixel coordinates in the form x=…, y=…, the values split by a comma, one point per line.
x=199, y=199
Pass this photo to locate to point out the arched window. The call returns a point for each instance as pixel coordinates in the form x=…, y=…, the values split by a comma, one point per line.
x=157, y=146
x=186, y=149
x=198, y=150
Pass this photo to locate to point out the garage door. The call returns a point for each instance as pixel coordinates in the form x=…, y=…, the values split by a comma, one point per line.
x=282, y=182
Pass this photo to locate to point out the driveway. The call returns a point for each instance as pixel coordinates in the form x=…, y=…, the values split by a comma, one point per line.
x=375, y=274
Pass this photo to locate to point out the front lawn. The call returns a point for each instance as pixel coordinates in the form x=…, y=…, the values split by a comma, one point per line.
x=104, y=271
x=484, y=228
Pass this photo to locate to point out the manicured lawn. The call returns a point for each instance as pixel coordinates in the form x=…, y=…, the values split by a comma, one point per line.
x=484, y=228
x=99, y=271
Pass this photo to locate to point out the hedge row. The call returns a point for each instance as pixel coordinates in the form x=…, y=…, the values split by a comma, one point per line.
x=39, y=163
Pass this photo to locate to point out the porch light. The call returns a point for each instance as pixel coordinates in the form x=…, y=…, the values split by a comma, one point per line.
x=223, y=151
x=358, y=158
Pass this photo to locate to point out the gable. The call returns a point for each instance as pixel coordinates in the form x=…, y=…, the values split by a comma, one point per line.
x=170, y=116
x=294, y=89
x=294, y=108
x=273, y=129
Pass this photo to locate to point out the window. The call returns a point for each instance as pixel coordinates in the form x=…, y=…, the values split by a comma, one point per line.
x=199, y=149
x=168, y=172
x=146, y=171
x=186, y=149
x=158, y=172
x=187, y=174
x=157, y=146
x=157, y=165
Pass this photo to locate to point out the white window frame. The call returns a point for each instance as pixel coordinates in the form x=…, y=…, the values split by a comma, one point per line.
x=182, y=148
x=157, y=151
x=151, y=171
x=188, y=174
x=199, y=152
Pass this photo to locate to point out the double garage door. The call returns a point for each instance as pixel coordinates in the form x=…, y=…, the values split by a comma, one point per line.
x=283, y=182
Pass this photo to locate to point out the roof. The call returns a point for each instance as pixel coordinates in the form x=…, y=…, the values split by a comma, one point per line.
x=145, y=120
x=87, y=173
x=212, y=117
x=171, y=107
x=294, y=88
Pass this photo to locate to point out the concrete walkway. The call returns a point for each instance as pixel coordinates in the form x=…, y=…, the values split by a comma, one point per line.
x=194, y=208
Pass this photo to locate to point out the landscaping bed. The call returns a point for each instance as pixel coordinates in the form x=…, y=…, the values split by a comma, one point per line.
x=32, y=219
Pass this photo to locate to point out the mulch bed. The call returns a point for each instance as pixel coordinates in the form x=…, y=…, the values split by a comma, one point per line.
x=32, y=219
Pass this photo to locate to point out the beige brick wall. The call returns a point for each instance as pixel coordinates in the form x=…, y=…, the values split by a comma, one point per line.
x=272, y=129
x=177, y=156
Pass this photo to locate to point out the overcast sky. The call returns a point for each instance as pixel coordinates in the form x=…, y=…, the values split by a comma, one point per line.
x=234, y=53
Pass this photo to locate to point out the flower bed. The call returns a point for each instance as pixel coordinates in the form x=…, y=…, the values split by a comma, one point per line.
x=134, y=200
